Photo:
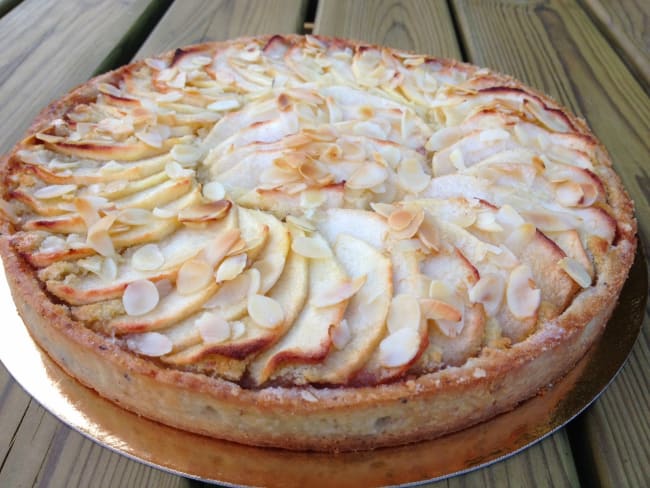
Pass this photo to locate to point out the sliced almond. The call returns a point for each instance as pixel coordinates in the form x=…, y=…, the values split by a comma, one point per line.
x=569, y=193
x=148, y=258
x=576, y=271
x=404, y=312
x=340, y=334
x=153, y=344
x=399, y=348
x=186, y=154
x=522, y=296
x=140, y=297
x=366, y=176
x=233, y=291
x=214, y=191
x=416, y=216
x=175, y=171
x=134, y=216
x=486, y=221
x=340, y=293
x=213, y=328
x=223, y=105
x=311, y=247
x=238, y=329
x=429, y=234
x=193, y=275
x=433, y=309
x=265, y=311
x=488, y=291
x=411, y=176
x=98, y=237
x=439, y=290
x=509, y=218
x=53, y=191
x=231, y=267
x=520, y=237
x=205, y=212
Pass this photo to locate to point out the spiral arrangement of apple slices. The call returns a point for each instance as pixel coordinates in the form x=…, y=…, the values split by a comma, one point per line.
x=296, y=210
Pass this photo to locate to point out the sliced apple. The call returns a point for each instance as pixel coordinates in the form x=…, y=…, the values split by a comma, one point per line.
x=158, y=195
x=308, y=340
x=289, y=292
x=361, y=224
x=364, y=317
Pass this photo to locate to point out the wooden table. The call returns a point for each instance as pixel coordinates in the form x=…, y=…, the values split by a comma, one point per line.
x=592, y=55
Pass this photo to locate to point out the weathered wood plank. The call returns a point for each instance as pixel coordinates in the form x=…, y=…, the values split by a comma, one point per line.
x=50, y=47
x=424, y=27
x=193, y=21
x=555, y=47
x=625, y=23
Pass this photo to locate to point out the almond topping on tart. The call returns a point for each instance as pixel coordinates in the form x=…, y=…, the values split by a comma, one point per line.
x=399, y=348
x=140, y=297
x=214, y=191
x=152, y=344
x=148, y=258
x=576, y=271
x=311, y=247
x=438, y=310
x=205, y=211
x=193, y=275
x=522, y=296
x=231, y=267
x=341, y=334
x=265, y=311
x=213, y=327
x=404, y=312
x=339, y=293
x=489, y=291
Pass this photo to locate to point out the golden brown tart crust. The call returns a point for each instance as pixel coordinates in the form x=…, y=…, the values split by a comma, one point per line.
x=373, y=406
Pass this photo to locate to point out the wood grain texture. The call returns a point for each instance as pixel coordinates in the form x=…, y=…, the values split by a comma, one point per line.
x=422, y=26
x=627, y=24
x=54, y=46
x=555, y=47
x=193, y=21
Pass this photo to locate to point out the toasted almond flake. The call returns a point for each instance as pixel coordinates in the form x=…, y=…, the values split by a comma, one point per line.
x=433, y=309
x=233, y=291
x=368, y=175
x=231, y=267
x=153, y=344
x=340, y=334
x=155, y=63
x=178, y=81
x=311, y=247
x=92, y=264
x=134, y=216
x=214, y=191
x=308, y=396
x=488, y=291
x=140, y=297
x=486, y=221
x=412, y=228
x=265, y=311
x=576, y=271
x=509, y=218
x=213, y=328
x=569, y=194
x=521, y=295
x=520, y=237
x=223, y=242
x=53, y=191
x=52, y=244
x=399, y=348
x=401, y=218
x=549, y=221
x=87, y=210
x=176, y=172
x=404, y=312
x=153, y=139
x=186, y=154
x=412, y=177
x=98, y=237
x=147, y=258
x=339, y=293
x=223, y=105
x=205, y=212
x=383, y=209
x=193, y=275
x=428, y=234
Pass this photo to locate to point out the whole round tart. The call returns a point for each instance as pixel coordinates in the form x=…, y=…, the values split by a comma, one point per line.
x=312, y=243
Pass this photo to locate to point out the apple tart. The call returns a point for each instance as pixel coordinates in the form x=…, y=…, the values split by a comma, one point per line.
x=312, y=243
